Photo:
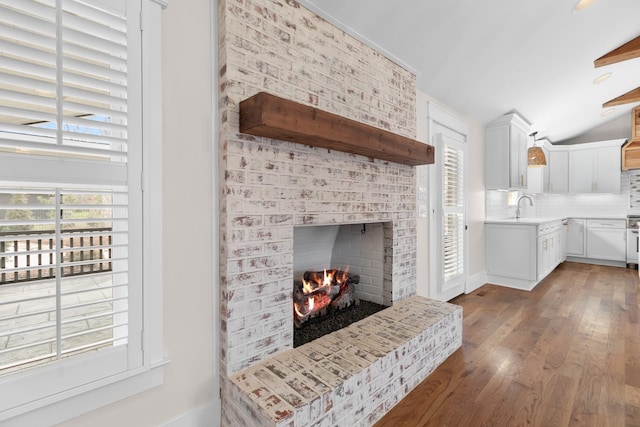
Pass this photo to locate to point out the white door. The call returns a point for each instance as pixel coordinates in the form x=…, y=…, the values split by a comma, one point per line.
x=449, y=216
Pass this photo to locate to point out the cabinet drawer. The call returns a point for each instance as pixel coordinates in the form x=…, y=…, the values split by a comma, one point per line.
x=606, y=223
x=549, y=227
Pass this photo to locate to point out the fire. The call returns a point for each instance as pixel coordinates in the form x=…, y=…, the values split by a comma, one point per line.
x=317, y=291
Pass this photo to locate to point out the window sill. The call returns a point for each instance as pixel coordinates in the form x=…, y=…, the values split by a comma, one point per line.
x=78, y=401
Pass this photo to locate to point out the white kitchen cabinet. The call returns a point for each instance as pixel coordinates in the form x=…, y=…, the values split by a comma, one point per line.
x=576, y=242
x=606, y=239
x=557, y=172
x=595, y=168
x=520, y=255
x=511, y=251
x=550, y=248
x=506, y=153
x=607, y=169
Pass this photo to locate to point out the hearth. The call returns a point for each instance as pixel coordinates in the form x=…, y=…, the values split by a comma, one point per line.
x=334, y=321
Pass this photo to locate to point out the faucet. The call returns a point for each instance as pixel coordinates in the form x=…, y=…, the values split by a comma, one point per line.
x=518, y=203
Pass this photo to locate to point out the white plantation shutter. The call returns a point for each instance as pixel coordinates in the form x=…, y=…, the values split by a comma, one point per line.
x=70, y=220
x=453, y=212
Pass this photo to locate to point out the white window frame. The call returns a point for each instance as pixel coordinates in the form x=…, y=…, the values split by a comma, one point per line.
x=90, y=396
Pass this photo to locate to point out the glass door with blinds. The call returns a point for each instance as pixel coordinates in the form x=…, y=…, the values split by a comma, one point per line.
x=451, y=218
x=69, y=217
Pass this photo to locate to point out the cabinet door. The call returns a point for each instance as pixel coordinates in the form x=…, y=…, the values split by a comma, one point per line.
x=511, y=250
x=517, y=157
x=557, y=248
x=607, y=170
x=581, y=171
x=543, y=257
x=563, y=242
x=558, y=166
x=497, y=158
x=607, y=243
x=575, y=238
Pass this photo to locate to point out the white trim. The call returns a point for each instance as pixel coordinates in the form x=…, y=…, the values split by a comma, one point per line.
x=215, y=185
x=204, y=416
x=163, y=4
x=476, y=281
x=353, y=33
x=152, y=182
x=443, y=117
x=103, y=393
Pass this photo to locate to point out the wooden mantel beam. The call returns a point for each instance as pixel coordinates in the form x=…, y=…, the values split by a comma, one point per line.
x=273, y=117
x=631, y=96
x=628, y=50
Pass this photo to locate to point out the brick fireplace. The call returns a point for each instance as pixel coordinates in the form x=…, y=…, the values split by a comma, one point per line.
x=269, y=186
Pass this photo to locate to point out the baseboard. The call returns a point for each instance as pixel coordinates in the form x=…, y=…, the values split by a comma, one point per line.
x=510, y=282
x=597, y=261
x=475, y=281
x=205, y=416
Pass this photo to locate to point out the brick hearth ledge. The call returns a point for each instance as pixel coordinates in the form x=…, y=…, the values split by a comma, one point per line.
x=352, y=376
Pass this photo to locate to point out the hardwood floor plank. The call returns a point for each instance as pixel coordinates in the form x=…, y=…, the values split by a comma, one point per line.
x=565, y=354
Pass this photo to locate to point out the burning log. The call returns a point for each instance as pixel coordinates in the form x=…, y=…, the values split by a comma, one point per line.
x=321, y=291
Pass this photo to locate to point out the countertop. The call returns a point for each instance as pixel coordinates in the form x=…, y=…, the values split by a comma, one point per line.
x=525, y=220
x=545, y=219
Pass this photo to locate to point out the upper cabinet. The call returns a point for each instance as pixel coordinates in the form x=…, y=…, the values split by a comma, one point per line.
x=506, y=153
x=557, y=172
x=595, y=167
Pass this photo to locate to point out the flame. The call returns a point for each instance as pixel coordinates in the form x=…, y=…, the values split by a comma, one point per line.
x=317, y=289
x=328, y=278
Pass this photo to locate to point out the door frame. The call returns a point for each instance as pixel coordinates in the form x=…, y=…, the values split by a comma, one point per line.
x=441, y=121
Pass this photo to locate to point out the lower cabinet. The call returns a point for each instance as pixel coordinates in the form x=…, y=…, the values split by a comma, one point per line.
x=550, y=250
x=521, y=255
x=597, y=241
x=606, y=239
x=576, y=242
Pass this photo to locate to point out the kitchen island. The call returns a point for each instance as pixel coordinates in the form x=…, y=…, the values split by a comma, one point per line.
x=521, y=252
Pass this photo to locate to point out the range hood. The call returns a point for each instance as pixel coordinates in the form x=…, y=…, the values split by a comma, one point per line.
x=631, y=150
x=273, y=117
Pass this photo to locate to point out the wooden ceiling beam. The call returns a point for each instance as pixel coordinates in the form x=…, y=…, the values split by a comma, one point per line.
x=631, y=96
x=627, y=51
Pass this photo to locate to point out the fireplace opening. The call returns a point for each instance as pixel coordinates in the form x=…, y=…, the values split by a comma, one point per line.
x=339, y=276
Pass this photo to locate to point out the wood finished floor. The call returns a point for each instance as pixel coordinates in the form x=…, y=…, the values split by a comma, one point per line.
x=565, y=354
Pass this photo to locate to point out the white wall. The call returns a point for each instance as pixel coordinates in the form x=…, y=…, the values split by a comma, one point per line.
x=190, y=378
x=619, y=128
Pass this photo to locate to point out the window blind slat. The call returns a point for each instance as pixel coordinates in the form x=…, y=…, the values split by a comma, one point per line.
x=26, y=84
x=95, y=76
x=94, y=27
x=112, y=18
x=44, y=9
x=24, y=100
x=29, y=71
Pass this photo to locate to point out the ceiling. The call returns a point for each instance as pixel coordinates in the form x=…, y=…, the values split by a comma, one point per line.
x=488, y=58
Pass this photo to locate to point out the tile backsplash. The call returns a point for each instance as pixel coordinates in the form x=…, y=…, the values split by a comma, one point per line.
x=576, y=205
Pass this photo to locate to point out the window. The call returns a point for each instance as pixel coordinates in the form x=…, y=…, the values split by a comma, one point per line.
x=453, y=212
x=72, y=207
